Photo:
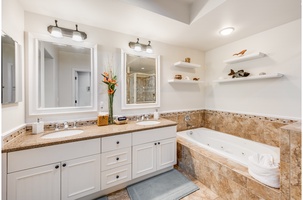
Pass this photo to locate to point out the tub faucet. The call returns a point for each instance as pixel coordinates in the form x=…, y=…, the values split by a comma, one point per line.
x=187, y=119
x=188, y=125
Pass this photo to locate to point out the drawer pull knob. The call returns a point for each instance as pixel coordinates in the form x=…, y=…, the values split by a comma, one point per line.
x=117, y=176
x=118, y=142
x=158, y=142
x=117, y=158
x=64, y=165
x=155, y=143
x=57, y=166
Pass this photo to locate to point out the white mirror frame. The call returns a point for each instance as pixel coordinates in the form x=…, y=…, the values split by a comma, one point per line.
x=32, y=42
x=18, y=73
x=124, y=104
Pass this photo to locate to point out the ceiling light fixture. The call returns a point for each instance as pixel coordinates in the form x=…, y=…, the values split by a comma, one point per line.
x=59, y=32
x=226, y=31
x=141, y=47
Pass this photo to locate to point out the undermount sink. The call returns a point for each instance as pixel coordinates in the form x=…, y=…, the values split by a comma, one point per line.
x=60, y=134
x=148, y=123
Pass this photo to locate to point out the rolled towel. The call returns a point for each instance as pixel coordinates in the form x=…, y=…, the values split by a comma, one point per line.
x=263, y=168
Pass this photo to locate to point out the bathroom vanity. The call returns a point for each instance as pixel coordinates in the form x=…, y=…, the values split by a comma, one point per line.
x=98, y=161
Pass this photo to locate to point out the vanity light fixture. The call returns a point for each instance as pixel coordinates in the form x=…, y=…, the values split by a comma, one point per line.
x=77, y=35
x=226, y=31
x=140, y=47
x=137, y=46
x=59, y=32
x=56, y=31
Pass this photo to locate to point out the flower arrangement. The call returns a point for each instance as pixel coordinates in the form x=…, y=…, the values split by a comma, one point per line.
x=111, y=81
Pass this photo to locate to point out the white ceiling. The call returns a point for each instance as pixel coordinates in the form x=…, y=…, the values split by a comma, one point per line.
x=187, y=23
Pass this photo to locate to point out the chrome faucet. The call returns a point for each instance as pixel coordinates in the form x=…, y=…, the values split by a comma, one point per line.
x=65, y=125
x=56, y=127
x=187, y=119
x=75, y=124
x=147, y=116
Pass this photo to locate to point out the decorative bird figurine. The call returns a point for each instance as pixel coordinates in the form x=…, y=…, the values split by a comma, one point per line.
x=238, y=74
x=241, y=53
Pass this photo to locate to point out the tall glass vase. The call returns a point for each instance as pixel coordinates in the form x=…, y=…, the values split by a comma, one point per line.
x=110, y=109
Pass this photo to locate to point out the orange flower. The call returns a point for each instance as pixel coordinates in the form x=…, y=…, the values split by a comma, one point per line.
x=111, y=91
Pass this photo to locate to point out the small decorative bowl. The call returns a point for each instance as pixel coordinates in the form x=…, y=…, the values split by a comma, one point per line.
x=178, y=76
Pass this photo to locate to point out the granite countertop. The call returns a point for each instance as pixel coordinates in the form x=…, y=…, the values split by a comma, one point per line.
x=29, y=141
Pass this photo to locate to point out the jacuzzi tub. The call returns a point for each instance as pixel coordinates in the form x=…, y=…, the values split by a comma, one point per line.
x=229, y=146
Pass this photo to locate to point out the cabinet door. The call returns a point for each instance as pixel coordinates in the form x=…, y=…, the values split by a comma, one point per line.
x=80, y=177
x=166, y=153
x=35, y=184
x=3, y=177
x=144, y=159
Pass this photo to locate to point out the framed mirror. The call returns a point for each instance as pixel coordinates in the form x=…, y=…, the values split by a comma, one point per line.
x=62, y=75
x=11, y=70
x=140, y=80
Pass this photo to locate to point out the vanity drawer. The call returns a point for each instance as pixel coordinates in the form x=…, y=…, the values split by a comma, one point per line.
x=115, y=176
x=25, y=159
x=116, y=142
x=151, y=135
x=117, y=158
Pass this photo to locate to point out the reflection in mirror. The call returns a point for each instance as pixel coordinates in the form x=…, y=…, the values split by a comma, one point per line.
x=140, y=79
x=61, y=76
x=140, y=74
x=64, y=75
x=11, y=77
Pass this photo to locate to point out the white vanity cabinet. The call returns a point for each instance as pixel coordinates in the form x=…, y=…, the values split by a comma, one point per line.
x=66, y=171
x=153, y=150
x=3, y=175
x=115, y=160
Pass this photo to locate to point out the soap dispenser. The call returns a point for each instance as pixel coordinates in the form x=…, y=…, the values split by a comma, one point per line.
x=156, y=115
x=38, y=127
x=102, y=118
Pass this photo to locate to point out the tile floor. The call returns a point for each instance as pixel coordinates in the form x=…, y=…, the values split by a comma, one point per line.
x=203, y=193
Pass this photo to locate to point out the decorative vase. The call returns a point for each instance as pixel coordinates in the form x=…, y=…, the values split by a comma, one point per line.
x=110, y=109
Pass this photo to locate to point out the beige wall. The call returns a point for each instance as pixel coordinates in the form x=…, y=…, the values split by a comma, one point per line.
x=173, y=97
x=13, y=25
x=272, y=97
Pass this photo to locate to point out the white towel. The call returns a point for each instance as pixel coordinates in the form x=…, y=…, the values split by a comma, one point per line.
x=263, y=168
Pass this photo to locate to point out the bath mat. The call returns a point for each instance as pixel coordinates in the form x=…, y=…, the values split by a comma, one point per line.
x=102, y=198
x=171, y=185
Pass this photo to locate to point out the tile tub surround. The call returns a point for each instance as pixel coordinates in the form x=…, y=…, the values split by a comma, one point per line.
x=227, y=179
x=261, y=129
x=291, y=156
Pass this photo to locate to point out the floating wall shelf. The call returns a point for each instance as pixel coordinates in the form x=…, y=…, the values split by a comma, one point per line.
x=276, y=75
x=245, y=58
x=184, y=81
x=186, y=65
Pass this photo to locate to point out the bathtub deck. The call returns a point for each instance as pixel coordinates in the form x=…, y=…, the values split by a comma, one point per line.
x=223, y=176
x=203, y=193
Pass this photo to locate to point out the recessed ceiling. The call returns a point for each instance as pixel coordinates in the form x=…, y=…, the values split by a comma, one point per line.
x=188, y=23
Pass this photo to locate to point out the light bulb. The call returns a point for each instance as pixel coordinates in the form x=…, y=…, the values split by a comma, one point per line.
x=149, y=48
x=56, y=32
x=137, y=47
x=77, y=36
